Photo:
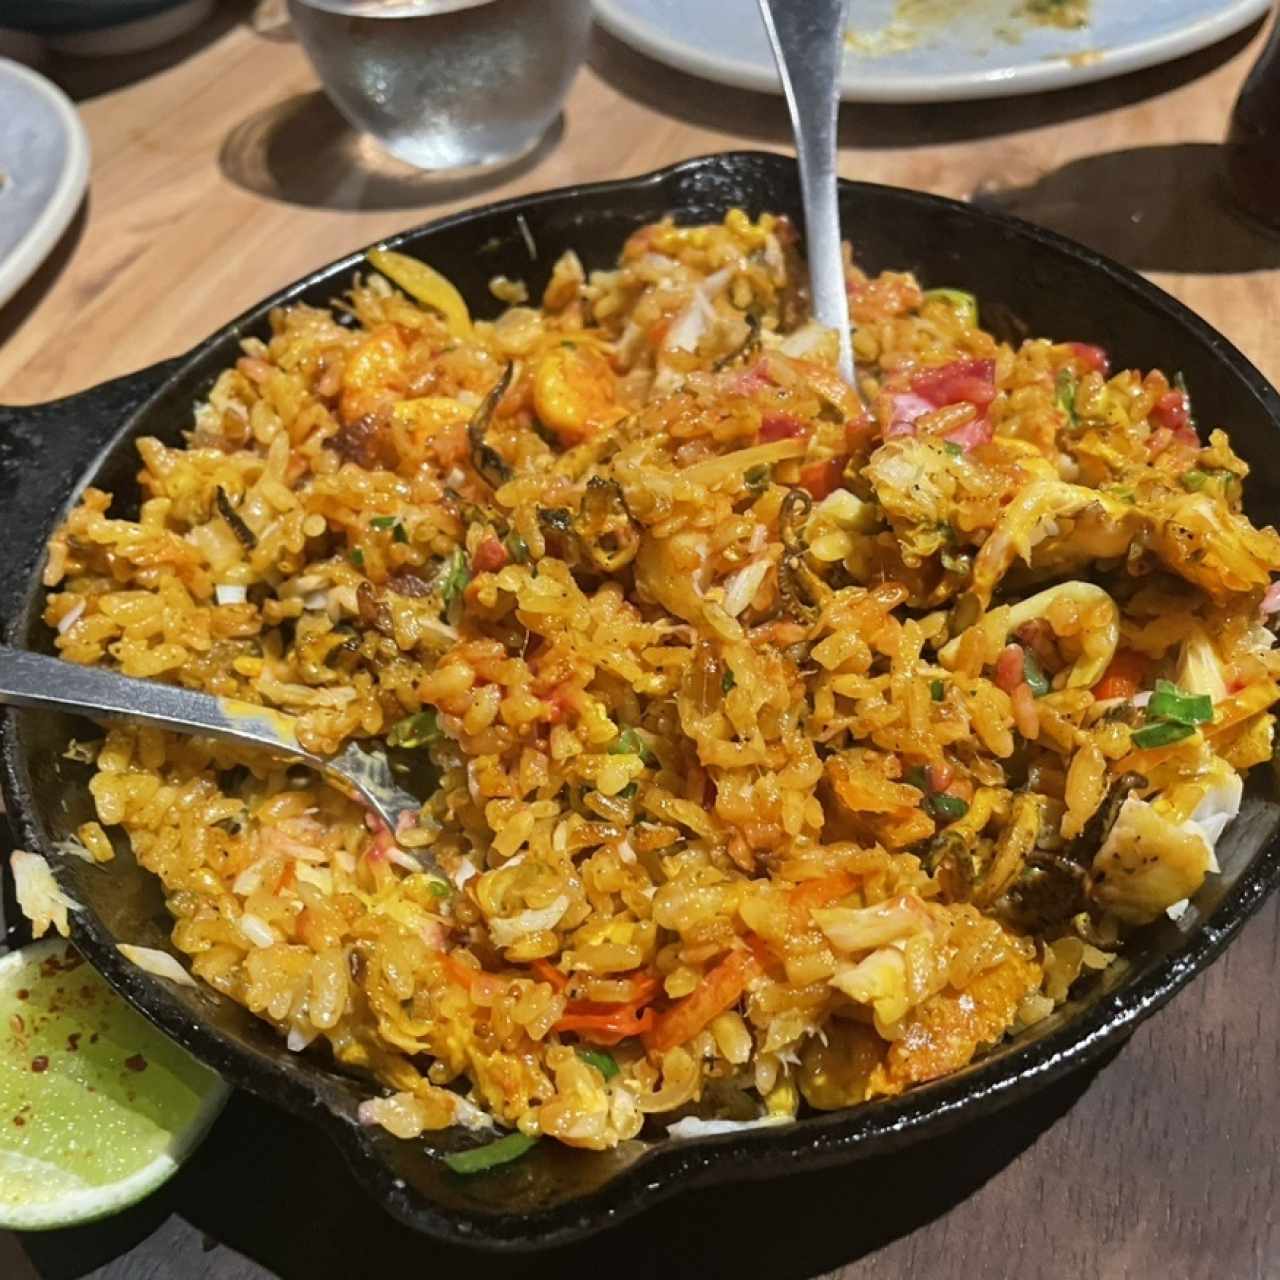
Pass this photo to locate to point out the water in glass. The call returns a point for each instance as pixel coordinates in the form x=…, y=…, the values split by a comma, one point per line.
x=446, y=84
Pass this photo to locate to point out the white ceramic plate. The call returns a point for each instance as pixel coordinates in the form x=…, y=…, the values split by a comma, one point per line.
x=44, y=168
x=981, y=49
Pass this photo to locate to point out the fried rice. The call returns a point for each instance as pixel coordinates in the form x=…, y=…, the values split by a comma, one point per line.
x=782, y=744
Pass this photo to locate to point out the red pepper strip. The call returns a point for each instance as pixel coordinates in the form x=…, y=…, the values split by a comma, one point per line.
x=719, y=990
x=606, y=1024
x=818, y=893
x=549, y=973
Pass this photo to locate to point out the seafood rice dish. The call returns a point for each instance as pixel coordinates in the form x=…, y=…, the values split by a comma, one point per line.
x=782, y=744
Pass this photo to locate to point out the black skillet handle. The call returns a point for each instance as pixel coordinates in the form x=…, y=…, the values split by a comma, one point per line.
x=44, y=450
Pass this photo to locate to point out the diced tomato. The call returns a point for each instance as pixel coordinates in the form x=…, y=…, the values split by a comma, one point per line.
x=961, y=381
x=782, y=426
x=1009, y=668
x=489, y=556
x=1094, y=358
x=719, y=990
x=1124, y=677
x=971, y=434
x=906, y=409
x=1173, y=410
x=822, y=478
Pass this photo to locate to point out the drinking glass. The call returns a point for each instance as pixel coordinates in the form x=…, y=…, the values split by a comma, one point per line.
x=446, y=84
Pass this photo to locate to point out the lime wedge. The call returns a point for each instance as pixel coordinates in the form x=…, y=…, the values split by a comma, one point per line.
x=97, y=1107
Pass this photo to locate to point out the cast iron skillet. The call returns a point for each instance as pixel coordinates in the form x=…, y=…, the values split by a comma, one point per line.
x=1029, y=281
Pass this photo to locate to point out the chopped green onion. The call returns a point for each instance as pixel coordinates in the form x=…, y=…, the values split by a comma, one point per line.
x=419, y=730
x=517, y=548
x=491, y=1155
x=1161, y=735
x=1033, y=675
x=1169, y=702
x=757, y=478
x=398, y=533
x=603, y=1062
x=1194, y=480
x=964, y=304
x=440, y=888
x=630, y=743
x=937, y=690
x=1065, y=393
x=955, y=450
x=629, y=791
x=916, y=777
x=357, y=557
x=455, y=577
x=383, y=522
x=950, y=807
x=728, y=680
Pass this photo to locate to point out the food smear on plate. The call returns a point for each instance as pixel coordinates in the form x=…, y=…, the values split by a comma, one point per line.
x=884, y=29
x=795, y=742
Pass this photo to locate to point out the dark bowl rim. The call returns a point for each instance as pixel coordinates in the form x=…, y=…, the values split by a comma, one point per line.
x=817, y=1140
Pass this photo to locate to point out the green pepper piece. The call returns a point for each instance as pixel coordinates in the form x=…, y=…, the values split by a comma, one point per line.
x=491, y=1155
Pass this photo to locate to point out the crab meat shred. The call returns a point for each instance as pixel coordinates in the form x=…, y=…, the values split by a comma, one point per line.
x=158, y=963
x=1150, y=861
x=40, y=898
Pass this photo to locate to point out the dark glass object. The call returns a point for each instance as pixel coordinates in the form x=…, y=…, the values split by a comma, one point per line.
x=1253, y=144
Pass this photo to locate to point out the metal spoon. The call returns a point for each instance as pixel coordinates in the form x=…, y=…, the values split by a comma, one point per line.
x=808, y=45
x=33, y=680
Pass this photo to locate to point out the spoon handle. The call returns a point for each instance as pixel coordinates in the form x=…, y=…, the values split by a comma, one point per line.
x=808, y=45
x=35, y=680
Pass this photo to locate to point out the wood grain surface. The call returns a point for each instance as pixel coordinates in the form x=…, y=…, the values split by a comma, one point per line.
x=219, y=174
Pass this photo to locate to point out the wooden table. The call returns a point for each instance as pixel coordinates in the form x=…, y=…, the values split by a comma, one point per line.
x=222, y=174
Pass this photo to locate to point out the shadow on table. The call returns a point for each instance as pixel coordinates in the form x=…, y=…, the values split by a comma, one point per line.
x=301, y=151
x=275, y=1190
x=873, y=125
x=1158, y=208
x=86, y=78
x=22, y=303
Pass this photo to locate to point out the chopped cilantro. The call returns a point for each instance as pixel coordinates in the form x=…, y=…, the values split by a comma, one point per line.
x=454, y=579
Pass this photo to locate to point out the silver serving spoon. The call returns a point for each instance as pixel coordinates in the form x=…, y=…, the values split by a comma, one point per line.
x=808, y=45
x=34, y=680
